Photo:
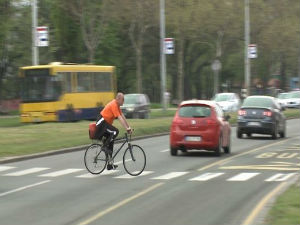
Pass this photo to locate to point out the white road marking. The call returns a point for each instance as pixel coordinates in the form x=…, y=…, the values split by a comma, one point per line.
x=3, y=168
x=60, y=173
x=166, y=150
x=169, y=176
x=105, y=172
x=28, y=171
x=206, y=176
x=243, y=176
x=127, y=176
x=280, y=177
x=23, y=188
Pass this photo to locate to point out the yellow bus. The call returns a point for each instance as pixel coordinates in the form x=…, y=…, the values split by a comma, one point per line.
x=65, y=92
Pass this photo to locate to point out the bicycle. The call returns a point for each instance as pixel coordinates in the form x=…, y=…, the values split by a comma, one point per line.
x=96, y=157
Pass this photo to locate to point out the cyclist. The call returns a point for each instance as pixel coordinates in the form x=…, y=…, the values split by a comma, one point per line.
x=105, y=120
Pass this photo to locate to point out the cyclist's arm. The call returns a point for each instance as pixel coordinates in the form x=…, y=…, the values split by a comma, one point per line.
x=123, y=121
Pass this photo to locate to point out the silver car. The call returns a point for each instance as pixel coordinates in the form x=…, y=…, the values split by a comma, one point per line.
x=229, y=102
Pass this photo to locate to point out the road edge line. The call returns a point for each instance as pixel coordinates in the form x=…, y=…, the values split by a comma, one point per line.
x=254, y=213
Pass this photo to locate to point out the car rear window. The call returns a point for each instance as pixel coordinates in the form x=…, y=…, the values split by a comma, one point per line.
x=195, y=111
x=258, y=102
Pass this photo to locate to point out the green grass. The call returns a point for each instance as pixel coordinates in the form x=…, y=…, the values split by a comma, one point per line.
x=33, y=138
x=285, y=211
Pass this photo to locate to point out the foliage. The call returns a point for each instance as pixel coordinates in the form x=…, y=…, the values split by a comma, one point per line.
x=115, y=33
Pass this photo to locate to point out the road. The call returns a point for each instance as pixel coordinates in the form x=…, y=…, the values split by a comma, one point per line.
x=192, y=188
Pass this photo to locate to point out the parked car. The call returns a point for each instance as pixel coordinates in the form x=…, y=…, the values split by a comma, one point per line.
x=200, y=125
x=261, y=115
x=283, y=98
x=229, y=102
x=293, y=100
x=136, y=106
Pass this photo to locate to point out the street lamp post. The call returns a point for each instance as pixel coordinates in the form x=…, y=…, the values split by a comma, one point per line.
x=247, y=42
x=162, y=54
x=35, y=53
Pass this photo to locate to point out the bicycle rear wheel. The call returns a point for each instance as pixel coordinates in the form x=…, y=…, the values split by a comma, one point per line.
x=134, y=160
x=95, y=159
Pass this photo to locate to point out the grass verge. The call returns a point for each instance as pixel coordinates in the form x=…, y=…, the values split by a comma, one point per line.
x=286, y=208
x=33, y=138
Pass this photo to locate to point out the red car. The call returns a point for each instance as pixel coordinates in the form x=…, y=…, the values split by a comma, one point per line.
x=200, y=124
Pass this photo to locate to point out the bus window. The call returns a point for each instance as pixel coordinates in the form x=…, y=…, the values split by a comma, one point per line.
x=84, y=81
x=103, y=82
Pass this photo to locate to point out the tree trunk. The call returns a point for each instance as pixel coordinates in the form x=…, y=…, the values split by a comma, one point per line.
x=180, y=62
x=139, y=68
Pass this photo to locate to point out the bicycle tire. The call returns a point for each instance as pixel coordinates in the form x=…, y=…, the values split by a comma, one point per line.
x=134, y=167
x=95, y=159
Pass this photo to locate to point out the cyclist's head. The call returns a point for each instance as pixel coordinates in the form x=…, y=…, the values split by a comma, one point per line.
x=120, y=98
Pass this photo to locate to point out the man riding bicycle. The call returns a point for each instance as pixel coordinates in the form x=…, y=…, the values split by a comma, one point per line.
x=104, y=124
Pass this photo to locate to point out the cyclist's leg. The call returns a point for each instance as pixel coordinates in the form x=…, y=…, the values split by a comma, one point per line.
x=111, y=133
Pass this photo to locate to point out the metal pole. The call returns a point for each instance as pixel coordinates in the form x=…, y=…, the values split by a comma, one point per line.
x=247, y=42
x=162, y=54
x=35, y=51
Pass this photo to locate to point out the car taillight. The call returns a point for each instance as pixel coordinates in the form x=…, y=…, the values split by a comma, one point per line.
x=211, y=122
x=267, y=113
x=242, y=112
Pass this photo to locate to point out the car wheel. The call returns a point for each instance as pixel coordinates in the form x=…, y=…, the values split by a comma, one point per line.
x=239, y=134
x=283, y=132
x=219, y=147
x=173, y=151
x=275, y=132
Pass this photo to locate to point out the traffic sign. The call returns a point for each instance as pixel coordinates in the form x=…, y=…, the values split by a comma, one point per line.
x=252, y=51
x=169, y=46
x=42, y=37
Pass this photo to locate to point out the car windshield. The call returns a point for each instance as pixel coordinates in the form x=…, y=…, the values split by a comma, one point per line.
x=222, y=97
x=130, y=99
x=195, y=111
x=258, y=102
x=284, y=95
x=295, y=95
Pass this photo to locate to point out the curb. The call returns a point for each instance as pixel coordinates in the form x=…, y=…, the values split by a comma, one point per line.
x=66, y=150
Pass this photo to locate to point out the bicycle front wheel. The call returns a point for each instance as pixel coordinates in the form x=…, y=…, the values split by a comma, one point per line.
x=95, y=159
x=134, y=160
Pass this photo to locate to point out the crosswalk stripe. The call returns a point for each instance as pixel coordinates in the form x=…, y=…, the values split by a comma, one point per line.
x=206, y=176
x=60, y=173
x=28, y=171
x=243, y=177
x=127, y=176
x=3, y=168
x=169, y=176
x=105, y=172
x=280, y=177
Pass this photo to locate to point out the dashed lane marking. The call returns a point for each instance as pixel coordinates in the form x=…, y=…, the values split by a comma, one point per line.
x=60, y=173
x=169, y=176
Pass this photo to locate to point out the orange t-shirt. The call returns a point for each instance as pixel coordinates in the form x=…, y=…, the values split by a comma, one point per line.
x=111, y=111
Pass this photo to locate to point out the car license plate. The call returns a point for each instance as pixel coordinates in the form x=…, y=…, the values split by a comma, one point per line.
x=254, y=124
x=192, y=138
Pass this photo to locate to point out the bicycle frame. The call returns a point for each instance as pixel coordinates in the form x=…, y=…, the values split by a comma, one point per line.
x=126, y=140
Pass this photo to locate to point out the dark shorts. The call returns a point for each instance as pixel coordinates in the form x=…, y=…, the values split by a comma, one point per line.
x=105, y=129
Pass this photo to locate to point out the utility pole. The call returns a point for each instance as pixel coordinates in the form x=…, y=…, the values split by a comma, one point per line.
x=162, y=54
x=247, y=42
x=35, y=50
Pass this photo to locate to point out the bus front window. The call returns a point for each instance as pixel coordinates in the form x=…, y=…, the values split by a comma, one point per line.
x=42, y=88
